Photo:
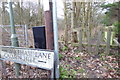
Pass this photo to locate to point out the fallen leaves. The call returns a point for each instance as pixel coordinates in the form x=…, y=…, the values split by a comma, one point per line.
x=92, y=63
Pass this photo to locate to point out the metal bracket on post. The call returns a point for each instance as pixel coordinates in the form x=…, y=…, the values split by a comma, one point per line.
x=26, y=35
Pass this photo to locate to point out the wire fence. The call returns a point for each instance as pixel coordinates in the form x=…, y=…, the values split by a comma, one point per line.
x=21, y=31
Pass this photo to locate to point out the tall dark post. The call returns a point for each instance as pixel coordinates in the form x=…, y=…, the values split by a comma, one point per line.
x=119, y=36
x=49, y=28
x=49, y=31
x=52, y=34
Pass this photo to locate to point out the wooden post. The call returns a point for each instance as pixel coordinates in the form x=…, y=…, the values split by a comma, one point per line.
x=49, y=28
x=83, y=19
x=73, y=17
x=0, y=52
x=49, y=32
x=98, y=40
x=108, y=40
x=89, y=40
x=118, y=58
x=73, y=22
x=2, y=69
x=65, y=22
x=0, y=35
x=74, y=37
x=80, y=39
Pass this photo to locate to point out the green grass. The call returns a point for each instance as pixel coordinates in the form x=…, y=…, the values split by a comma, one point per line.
x=77, y=51
x=61, y=56
x=102, y=56
x=64, y=73
x=73, y=73
x=64, y=48
x=78, y=58
x=67, y=65
x=81, y=70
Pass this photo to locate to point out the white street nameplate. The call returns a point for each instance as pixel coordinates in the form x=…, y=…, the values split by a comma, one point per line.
x=33, y=57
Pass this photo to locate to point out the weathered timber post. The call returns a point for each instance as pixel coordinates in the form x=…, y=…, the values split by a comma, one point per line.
x=49, y=28
x=14, y=39
x=1, y=31
x=118, y=58
x=52, y=36
x=66, y=25
x=73, y=22
x=80, y=39
x=108, y=40
x=98, y=40
x=2, y=68
x=88, y=40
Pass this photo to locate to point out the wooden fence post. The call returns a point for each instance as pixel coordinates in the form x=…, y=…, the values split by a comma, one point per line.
x=0, y=55
x=108, y=40
x=89, y=40
x=74, y=37
x=49, y=32
x=98, y=40
x=0, y=35
x=49, y=28
x=2, y=69
x=80, y=39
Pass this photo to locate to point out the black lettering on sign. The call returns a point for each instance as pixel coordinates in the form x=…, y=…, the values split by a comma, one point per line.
x=49, y=56
x=33, y=56
x=44, y=55
x=42, y=61
x=23, y=56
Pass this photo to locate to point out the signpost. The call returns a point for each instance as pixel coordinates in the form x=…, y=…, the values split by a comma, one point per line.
x=33, y=57
x=14, y=38
x=55, y=28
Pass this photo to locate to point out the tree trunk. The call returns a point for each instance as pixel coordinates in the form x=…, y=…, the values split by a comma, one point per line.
x=73, y=22
x=66, y=24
